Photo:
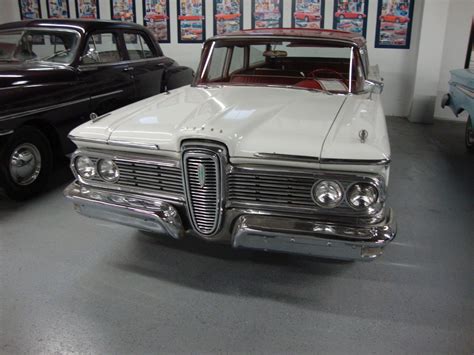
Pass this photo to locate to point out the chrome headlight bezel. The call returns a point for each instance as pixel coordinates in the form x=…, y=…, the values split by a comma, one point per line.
x=334, y=184
x=365, y=186
x=86, y=172
x=114, y=175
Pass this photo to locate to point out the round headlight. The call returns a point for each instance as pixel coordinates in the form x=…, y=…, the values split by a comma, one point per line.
x=85, y=167
x=108, y=170
x=362, y=195
x=327, y=194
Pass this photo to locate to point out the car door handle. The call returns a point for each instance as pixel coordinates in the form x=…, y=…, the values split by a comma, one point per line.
x=128, y=69
x=160, y=65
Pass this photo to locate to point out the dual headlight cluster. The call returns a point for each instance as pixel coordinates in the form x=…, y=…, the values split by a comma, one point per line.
x=105, y=169
x=329, y=194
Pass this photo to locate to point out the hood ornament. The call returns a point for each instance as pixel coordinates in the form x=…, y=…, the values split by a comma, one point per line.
x=363, y=134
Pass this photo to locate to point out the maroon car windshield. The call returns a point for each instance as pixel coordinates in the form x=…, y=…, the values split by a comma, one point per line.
x=299, y=64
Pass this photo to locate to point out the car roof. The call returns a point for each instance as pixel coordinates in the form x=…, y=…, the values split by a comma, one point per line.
x=326, y=35
x=79, y=24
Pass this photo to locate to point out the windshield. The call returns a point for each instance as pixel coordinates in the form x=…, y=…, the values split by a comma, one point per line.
x=38, y=45
x=300, y=64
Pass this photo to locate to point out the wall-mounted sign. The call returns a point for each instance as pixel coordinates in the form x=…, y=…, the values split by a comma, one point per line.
x=228, y=16
x=307, y=14
x=191, y=21
x=156, y=18
x=57, y=8
x=351, y=16
x=123, y=10
x=29, y=9
x=87, y=9
x=267, y=13
x=394, y=21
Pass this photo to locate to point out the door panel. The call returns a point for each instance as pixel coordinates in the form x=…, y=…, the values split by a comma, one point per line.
x=105, y=74
x=148, y=68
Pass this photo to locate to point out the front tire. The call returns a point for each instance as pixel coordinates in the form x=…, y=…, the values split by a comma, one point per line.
x=25, y=163
x=469, y=136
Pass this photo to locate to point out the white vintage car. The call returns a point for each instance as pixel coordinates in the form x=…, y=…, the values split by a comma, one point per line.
x=280, y=144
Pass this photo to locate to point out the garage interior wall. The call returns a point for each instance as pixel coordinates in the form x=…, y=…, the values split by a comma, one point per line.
x=403, y=70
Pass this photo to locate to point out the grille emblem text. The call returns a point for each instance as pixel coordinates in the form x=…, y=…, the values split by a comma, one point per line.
x=201, y=175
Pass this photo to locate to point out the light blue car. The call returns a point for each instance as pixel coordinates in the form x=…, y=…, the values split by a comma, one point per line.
x=461, y=98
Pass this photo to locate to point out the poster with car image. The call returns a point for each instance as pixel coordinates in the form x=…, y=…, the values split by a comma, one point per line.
x=123, y=10
x=227, y=16
x=307, y=14
x=30, y=9
x=351, y=16
x=156, y=18
x=394, y=21
x=87, y=9
x=191, y=21
x=58, y=8
x=267, y=13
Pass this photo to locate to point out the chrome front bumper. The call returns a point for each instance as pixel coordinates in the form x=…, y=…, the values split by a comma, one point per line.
x=255, y=231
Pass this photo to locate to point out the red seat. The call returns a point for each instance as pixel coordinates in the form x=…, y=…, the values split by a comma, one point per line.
x=264, y=79
x=309, y=84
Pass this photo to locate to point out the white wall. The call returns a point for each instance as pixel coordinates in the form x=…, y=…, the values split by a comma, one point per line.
x=397, y=66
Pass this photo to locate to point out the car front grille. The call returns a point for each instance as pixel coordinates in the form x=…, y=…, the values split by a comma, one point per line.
x=149, y=176
x=202, y=171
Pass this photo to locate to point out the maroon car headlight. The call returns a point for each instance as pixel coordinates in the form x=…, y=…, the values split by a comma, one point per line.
x=362, y=195
x=327, y=194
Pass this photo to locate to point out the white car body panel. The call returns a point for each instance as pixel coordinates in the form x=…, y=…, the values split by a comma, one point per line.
x=251, y=120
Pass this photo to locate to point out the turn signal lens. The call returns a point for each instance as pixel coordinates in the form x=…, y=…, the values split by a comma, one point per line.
x=327, y=194
x=108, y=170
x=85, y=167
x=362, y=195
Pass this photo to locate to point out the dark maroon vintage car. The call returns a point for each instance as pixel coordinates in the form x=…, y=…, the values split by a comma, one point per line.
x=57, y=74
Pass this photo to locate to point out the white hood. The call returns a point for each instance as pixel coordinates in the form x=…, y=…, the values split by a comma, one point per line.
x=248, y=120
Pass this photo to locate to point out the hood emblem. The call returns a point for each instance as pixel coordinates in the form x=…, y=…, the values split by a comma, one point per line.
x=363, y=135
x=201, y=175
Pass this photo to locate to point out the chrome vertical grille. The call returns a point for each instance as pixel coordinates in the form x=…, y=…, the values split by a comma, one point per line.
x=203, y=182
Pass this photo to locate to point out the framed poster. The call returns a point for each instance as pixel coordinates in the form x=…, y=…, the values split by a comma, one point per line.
x=351, y=16
x=29, y=9
x=87, y=9
x=267, y=13
x=156, y=18
x=394, y=20
x=228, y=16
x=307, y=14
x=123, y=10
x=57, y=8
x=191, y=21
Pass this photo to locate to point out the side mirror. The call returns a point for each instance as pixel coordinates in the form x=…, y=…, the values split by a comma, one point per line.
x=91, y=57
x=373, y=86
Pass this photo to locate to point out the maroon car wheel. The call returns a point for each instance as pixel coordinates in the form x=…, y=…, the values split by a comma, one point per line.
x=469, y=135
x=25, y=163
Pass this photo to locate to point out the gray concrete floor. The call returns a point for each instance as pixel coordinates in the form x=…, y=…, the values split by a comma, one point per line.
x=70, y=284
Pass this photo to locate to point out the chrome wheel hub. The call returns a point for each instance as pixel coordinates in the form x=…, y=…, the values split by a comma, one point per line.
x=25, y=164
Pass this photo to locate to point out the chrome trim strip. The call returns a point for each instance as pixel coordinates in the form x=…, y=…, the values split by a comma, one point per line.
x=355, y=161
x=279, y=37
x=106, y=94
x=43, y=109
x=125, y=144
x=288, y=157
x=133, y=145
x=6, y=133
